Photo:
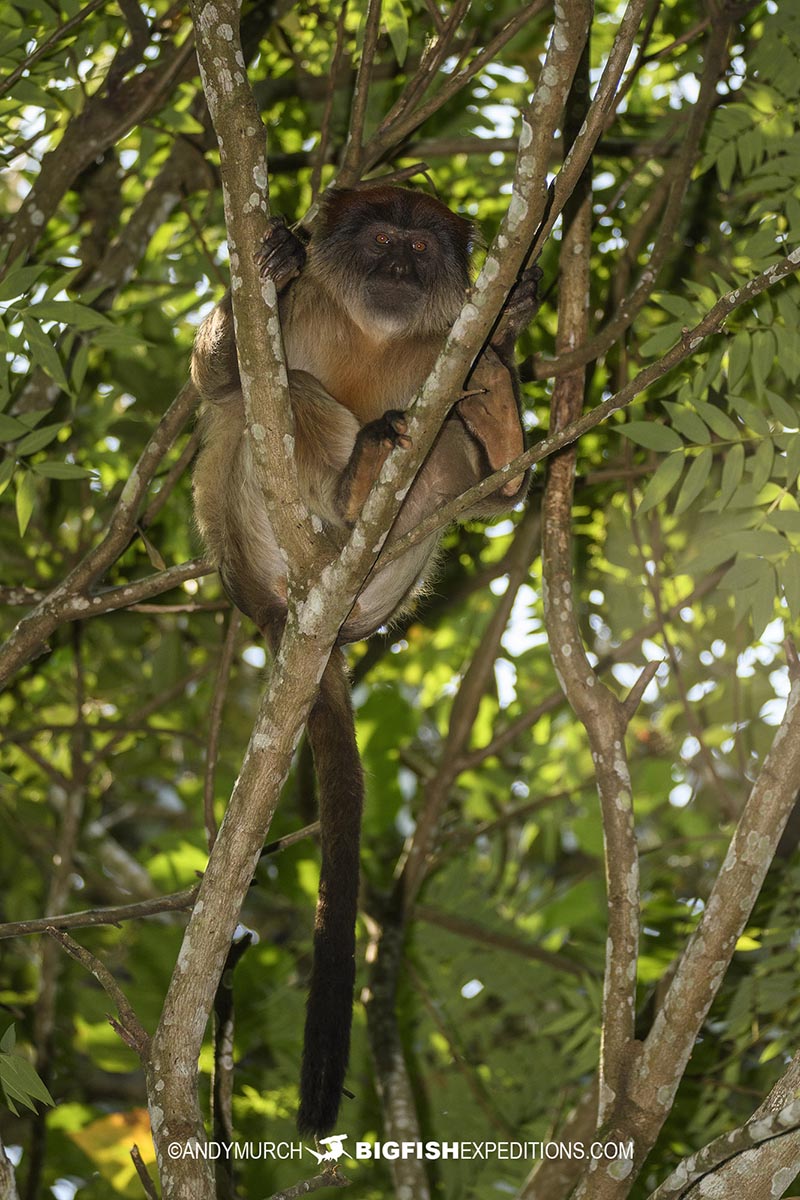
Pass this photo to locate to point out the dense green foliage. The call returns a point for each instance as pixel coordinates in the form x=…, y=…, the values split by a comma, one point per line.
x=687, y=525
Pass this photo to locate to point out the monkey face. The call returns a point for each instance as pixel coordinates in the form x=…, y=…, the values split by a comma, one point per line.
x=398, y=266
x=394, y=258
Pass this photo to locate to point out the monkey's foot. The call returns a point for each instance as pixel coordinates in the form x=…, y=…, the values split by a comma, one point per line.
x=389, y=431
x=281, y=255
x=374, y=444
x=523, y=304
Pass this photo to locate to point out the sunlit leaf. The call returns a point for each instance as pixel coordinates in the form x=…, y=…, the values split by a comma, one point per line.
x=25, y=500
x=695, y=480
x=651, y=434
x=662, y=483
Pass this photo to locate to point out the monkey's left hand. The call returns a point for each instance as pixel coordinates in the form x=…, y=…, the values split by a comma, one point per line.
x=281, y=255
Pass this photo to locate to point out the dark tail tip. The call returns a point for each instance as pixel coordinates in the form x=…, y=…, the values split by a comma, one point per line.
x=330, y=1000
x=327, y=1042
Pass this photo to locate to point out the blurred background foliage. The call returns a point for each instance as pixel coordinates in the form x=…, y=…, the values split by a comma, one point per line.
x=687, y=524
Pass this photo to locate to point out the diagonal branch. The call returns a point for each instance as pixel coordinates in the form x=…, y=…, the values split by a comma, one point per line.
x=687, y=345
x=241, y=135
x=128, y=1027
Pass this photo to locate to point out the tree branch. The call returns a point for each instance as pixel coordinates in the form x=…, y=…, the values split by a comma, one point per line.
x=703, y=964
x=176, y=902
x=685, y=347
x=128, y=1026
x=241, y=135
x=71, y=594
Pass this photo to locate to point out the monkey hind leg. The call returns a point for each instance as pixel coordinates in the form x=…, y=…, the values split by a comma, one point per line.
x=372, y=447
x=326, y=1046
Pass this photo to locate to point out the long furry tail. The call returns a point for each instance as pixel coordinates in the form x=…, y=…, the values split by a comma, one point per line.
x=330, y=1001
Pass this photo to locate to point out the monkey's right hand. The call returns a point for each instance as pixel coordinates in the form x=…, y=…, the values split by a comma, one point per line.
x=281, y=255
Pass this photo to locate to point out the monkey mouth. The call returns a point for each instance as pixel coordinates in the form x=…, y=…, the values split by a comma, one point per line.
x=390, y=293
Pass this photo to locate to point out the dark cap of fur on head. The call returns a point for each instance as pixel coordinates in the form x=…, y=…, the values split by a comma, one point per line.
x=397, y=206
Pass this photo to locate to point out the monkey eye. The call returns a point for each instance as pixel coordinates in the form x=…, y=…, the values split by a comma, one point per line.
x=419, y=246
x=382, y=239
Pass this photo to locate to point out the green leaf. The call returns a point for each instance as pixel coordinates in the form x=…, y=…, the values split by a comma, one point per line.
x=743, y=574
x=9, y=1040
x=79, y=366
x=38, y=439
x=69, y=312
x=763, y=601
x=677, y=306
x=695, y=480
x=661, y=341
x=61, y=470
x=662, y=482
x=793, y=462
x=763, y=355
x=788, y=296
x=726, y=165
x=688, y=423
x=7, y=468
x=395, y=21
x=789, y=352
x=752, y=416
x=789, y=574
x=180, y=122
x=44, y=352
x=11, y=428
x=761, y=464
x=651, y=434
x=761, y=542
x=16, y=283
x=789, y=417
x=717, y=420
x=786, y=519
x=19, y=1078
x=738, y=358
x=708, y=376
x=732, y=471
x=25, y=501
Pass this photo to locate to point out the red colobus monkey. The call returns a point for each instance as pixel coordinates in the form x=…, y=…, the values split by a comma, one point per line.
x=365, y=309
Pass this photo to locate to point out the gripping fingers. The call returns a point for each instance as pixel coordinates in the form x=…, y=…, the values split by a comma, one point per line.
x=394, y=431
x=281, y=255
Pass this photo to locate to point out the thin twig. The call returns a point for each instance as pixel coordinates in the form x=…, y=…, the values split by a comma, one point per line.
x=634, y=697
x=58, y=33
x=175, y=902
x=499, y=941
x=321, y=152
x=329, y=1179
x=144, y=1174
x=69, y=598
x=687, y=345
x=715, y=58
x=351, y=166
x=290, y=839
x=129, y=1027
x=386, y=138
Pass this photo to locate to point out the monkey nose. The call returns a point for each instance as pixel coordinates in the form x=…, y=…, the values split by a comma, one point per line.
x=398, y=269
